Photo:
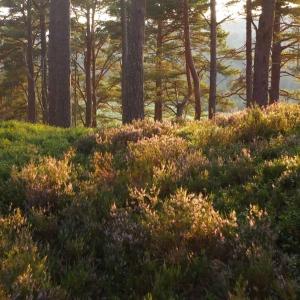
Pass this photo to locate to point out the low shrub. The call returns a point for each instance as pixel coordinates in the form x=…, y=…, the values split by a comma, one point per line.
x=116, y=139
x=196, y=210
x=48, y=183
x=23, y=271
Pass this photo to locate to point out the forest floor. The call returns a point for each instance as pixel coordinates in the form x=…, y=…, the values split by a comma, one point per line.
x=197, y=210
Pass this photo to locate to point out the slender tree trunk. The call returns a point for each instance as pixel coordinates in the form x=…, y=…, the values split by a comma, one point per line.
x=88, y=61
x=134, y=104
x=180, y=106
x=249, y=55
x=159, y=100
x=213, y=61
x=31, y=109
x=276, y=57
x=75, y=91
x=94, y=92
x=52, y=50
x=190, y=60
x=44, y=71
x=59, y=63
x=124, y=25
x=262, y=53
x=189, y=81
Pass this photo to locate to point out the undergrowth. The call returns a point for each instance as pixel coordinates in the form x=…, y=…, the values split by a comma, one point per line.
x=199, y=210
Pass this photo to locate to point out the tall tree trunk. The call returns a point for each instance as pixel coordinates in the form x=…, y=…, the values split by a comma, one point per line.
x=88, y=61
x=31, y=109
x=159, y=101
x=75, y=108
x=249, y=55
x=276, y=57
x=59, y=63
x=262, y=53
x=181, y=105
x=189, y=81
x=124, y=25
x=52, y=49
x=213, y=61
x=133, y=108
x=190, y=60
x=44, y=71
x=94, y=92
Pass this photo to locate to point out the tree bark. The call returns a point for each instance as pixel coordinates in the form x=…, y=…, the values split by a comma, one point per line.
x=52, y=49
x=213, y=61
x=31, y=109
x=133, y=108
x=276, y=57
x=75, y=108
x=59, y=63
x=262, y=53
x=159, y=101
x=249, y=55
x=88, y=61
x=190, y=60
x=181, y=105
x=44, y=69
x=94, y=92
x=124, y=25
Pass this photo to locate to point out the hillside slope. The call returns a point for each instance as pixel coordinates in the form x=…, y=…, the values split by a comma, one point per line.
x=200, y=210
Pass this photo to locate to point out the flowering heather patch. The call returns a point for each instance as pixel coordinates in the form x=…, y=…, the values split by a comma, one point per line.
x=197, y=210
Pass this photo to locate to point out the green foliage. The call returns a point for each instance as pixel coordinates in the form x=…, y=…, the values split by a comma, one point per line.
x=23, y=272
x=21, y=143
x=47, y=183
x=201, y=210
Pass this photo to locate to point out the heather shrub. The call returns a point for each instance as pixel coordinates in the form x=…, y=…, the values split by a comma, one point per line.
x=274, y=120
x=185, y=226
x=23, y=271
x=124, y=246
x=165, y=241
x=196, y=210
x=246, y=126
x=147, y=156
x=266, y=272
x=98, y=176
x=286, y=172
x=47, y=184
x=86, y=144
x=116, y=139
x=207, y=135
x=277, y=146
x=104, y=173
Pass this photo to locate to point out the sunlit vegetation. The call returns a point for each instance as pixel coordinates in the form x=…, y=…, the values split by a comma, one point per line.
x=199, y=210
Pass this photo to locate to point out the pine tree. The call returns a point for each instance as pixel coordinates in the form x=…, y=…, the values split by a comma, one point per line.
x=262, y=53
x=249, y=54
x=133, y=108
x=284, y=37
x=189, y=58
x=59, y=63
x=213, y=61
